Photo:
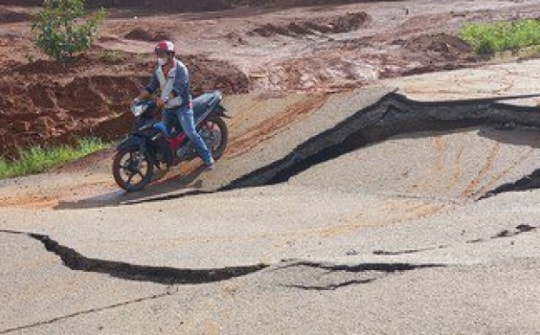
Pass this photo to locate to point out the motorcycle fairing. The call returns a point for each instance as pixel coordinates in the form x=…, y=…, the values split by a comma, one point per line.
x=130, y=142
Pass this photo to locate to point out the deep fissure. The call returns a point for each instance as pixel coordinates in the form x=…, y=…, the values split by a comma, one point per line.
x=529, y=182
x=360, y=140
x=157, y=274
x=395, y=114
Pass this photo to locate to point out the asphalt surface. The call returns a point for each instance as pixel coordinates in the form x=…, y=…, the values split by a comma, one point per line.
x=391, y=238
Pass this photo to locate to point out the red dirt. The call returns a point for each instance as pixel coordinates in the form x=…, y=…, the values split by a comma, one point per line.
x=272, y=126
x=8, y=15
x=146, y=35
x=38, y=108
x=335, y=25
x=195, y=6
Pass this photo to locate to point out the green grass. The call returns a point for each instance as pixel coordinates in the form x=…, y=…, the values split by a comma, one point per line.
x=113, y=56
x=489, y=38
x=38, y=159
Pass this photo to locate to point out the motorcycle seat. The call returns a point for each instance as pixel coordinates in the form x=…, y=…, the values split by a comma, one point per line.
x=205, y=101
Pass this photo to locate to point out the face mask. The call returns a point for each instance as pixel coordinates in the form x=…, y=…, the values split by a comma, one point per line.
x=162, y=61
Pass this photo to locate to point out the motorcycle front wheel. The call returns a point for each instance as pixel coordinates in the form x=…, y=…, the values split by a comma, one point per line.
x=132, y=170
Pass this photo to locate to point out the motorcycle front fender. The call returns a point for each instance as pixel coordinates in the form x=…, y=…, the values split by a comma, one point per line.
x=151, y=148
x=130, y=142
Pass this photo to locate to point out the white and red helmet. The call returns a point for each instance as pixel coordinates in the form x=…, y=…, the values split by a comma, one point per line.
x=164, y=46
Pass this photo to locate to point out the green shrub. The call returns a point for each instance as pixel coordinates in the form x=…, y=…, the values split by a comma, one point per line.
x=63, y=30
x=38, y=159
x=498, y=36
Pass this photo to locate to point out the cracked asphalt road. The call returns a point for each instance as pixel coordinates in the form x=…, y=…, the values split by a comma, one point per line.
x=390, y=237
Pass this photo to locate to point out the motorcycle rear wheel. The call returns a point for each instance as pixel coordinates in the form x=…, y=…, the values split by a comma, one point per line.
x=217, y=129
x=132, y=170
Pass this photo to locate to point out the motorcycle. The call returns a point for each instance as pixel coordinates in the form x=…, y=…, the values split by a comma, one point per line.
x=152, y=149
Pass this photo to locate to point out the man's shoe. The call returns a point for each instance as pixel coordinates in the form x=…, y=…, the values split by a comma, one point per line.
x=210, y=166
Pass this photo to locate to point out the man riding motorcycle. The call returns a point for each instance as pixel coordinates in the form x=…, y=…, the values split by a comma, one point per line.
x=172, y=78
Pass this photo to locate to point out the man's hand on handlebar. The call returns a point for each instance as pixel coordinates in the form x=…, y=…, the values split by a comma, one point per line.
x=160, y=102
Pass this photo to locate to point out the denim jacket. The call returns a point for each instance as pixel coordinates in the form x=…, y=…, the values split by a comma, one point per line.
x=174, y=87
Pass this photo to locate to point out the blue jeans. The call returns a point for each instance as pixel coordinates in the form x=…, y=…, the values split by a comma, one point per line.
x=185, y=115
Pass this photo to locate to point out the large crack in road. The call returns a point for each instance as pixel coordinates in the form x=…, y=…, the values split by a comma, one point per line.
x=395, y=114
x=171, y=276
x=161, y=275
x=316, y=276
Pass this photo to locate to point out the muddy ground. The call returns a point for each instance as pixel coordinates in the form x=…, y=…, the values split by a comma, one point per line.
x=246, y=46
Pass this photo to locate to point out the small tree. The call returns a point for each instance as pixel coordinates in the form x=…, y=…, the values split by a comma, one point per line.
x=62, y=30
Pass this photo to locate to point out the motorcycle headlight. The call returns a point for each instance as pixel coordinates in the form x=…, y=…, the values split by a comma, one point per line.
x=137, y=110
